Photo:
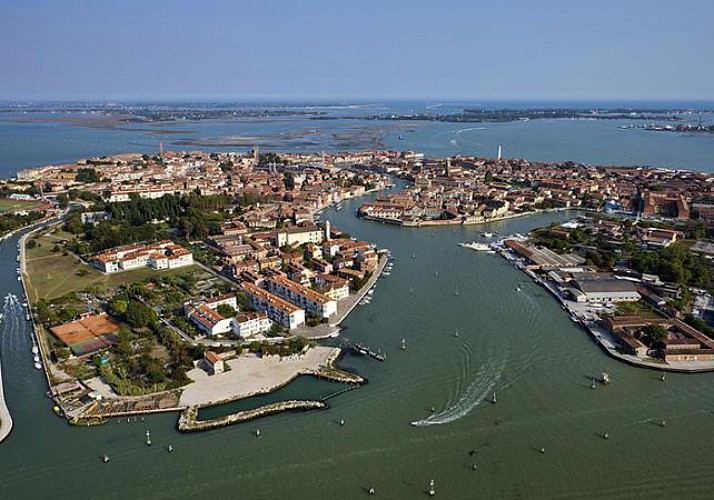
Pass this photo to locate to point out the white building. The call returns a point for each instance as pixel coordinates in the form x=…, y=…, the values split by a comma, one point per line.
x=604, y=290
x=207, y=320
x=161, y=255
x=299, y=235
x=206, y=317
x=279, y=310
x=249, y=324
x=301, y=296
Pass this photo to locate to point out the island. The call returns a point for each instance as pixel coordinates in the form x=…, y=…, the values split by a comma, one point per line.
x=177, y=281
x=636, y=272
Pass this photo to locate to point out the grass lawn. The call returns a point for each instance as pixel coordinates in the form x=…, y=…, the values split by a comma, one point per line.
x=638, y=308
x=7, y=205
x=51, y=274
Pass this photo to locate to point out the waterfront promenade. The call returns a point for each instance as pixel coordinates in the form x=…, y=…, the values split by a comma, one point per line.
x=344, y=308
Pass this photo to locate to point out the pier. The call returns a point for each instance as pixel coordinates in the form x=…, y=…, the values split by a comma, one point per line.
x=188, y=421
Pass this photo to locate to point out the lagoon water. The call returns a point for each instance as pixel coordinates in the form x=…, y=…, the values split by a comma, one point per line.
x=519, y=344
x=35, y=139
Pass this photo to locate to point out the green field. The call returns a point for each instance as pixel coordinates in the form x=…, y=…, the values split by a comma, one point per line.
x=52, y=274
x=7, y=205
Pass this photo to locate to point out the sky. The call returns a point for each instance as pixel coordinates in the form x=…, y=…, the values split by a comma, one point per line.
x=520, y=49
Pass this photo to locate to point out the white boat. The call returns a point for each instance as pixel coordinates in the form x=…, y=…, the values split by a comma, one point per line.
x=27, y=317
x=38, y=366
x=488, y=235
x=605, y=378
x=475, y=245
x=35, y=350
x=36, y=358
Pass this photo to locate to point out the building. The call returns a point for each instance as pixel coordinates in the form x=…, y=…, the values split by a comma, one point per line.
x=302, y=296
x=332, y=286
x=206, y=317
x=214, y=363
x=208, y=320
x=298, y=235
x=603, y=287
x=279, y=310
x=249, y=324
x=665, y=204
x=161, y=255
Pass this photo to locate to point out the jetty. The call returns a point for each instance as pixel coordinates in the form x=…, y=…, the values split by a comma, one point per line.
x=366, y=351
x=188, y=421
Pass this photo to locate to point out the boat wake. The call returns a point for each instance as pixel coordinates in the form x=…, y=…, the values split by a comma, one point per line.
x=466, y=400
x=462, y=130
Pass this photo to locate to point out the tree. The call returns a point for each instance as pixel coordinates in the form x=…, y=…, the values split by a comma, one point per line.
x=62, y=200
x=226, y=311
x=655, y=333
x=118, y=306
x=242, y=300
x=139, y=315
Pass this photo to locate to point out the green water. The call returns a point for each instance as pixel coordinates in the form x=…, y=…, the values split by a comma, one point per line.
x=520, y=344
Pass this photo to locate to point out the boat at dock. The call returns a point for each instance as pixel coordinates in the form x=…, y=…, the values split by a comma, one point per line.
x=475, y=245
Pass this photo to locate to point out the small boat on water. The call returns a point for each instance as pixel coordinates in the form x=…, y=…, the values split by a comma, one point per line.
x=170, y=449
x=404, y=344
x=432, y=491
x=38, y=366
x=493, y=398
x=605, y=378
x=105, y=458
x=663, y=377
x=35, y=350
x=475, y=245
x=148, y=438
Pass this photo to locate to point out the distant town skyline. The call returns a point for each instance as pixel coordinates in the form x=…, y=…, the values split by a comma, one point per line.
x=276, y=49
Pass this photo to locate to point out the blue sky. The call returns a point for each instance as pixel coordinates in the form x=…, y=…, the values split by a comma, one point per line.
x=359, y=48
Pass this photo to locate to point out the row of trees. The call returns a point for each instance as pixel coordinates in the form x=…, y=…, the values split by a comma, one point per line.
x=10, y=222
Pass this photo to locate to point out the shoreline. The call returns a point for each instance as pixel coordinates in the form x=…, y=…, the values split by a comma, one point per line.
x=449, y=223
x=602, y=338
